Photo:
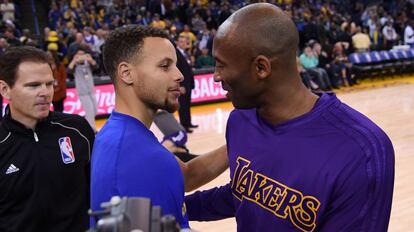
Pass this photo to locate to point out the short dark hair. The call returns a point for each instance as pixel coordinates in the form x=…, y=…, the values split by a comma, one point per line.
x=124, y=43
x=14, y=56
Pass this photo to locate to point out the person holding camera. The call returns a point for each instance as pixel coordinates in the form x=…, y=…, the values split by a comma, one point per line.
x=81, y=66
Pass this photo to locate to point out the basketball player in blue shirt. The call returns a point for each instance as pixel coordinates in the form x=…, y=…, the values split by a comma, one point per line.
x=298, y=161
x=127, y=158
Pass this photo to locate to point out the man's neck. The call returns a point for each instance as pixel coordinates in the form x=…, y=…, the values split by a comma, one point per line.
x=182, y=50
x=29, y=123
x=289, y=105
x=136, y=109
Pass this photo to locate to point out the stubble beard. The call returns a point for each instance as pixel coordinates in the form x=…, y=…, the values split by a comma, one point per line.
x=170, y=107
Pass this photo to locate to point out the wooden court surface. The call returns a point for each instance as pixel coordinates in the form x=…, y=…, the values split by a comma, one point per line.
x=389, y=103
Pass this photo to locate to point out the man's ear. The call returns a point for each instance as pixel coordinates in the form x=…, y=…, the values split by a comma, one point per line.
x=5, y=89
x=124, y=72
x=263, y=66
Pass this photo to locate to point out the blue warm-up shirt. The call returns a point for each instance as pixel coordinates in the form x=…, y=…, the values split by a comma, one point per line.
x=128, y=160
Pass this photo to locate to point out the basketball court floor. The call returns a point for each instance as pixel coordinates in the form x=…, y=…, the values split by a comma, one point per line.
x=389, y=103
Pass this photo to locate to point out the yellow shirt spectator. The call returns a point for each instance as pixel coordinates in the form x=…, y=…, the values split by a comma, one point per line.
x=158, y=24
x=74, y=4
x=191, y=38
x=361, y=42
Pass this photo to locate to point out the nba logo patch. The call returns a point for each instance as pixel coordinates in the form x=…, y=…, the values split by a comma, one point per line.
x=66, y=150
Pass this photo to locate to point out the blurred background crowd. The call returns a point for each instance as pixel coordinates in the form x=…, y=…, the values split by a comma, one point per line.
x=329, y=30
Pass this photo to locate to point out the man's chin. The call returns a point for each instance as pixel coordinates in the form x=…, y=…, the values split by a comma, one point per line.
x=171, y=108
x=42, y=115
x=240, y=105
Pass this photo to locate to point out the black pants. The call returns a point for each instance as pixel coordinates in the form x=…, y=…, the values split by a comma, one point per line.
x=184, y=110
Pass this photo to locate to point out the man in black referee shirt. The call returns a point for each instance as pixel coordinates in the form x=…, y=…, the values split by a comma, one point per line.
x=44, y=156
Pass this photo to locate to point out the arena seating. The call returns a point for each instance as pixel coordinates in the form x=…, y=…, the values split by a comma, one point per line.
x=379, y=63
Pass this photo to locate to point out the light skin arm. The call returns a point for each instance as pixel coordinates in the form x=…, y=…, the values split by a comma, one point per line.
x=90, y=59
x=204, y=168
x=72, y=64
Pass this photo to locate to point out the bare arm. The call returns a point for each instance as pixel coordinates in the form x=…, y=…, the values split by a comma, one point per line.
x=72, y=63
x=204, y=168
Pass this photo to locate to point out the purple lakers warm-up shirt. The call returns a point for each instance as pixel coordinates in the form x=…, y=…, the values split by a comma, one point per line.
x=331, y=169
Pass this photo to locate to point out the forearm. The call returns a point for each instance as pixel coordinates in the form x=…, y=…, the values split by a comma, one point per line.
x=71, y=66
x=93, y=62
x=204, y=168
x=210, y=205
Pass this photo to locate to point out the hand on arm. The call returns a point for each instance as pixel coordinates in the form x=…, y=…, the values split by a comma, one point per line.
x=204, y=168
x=172, y=148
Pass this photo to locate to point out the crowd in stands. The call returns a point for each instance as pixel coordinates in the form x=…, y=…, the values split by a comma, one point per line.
x=329, y=29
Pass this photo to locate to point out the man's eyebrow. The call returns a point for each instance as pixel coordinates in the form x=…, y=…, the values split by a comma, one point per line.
x=218, y=59
x=166, y=59
x=32, y=83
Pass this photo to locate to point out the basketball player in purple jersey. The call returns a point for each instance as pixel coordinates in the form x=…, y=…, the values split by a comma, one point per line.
x=298, y=161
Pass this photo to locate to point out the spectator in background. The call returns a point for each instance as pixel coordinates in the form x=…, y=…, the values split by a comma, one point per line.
x=390, y=35
x=185, y=66
x=211, y=21
x=224, y=12
x=409, y=34
x=54, y=16
x=341, y=65
x=73, y=47
x=140, y=20
x=157, y=22
x=91, y=39
x=179, y=26
x=81, y=66
x=204, y=38
x=11, y=38
x=204, y=60
x=59, y=76
x=361, y=40
x=310, y=62
x=197, y=23
x=100, y=40
x=306, y=78
x=7, y=10
x=3, y=46
x=53, y=38
x=324, y=62
x=372, y=25
x=26, y=37
x=189, y=35
x=344, y=36
x=46, y=32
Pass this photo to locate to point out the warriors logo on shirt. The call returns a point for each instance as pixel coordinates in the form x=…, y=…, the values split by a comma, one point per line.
x=275, y=197
x=66, y=150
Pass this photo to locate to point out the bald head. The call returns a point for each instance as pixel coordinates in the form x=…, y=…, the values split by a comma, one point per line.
x=263, y=29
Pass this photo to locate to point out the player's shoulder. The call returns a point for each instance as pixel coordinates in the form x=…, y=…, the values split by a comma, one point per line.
x=67, y=119
x=72, y=122
x=4, y=134
x=358, y=128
